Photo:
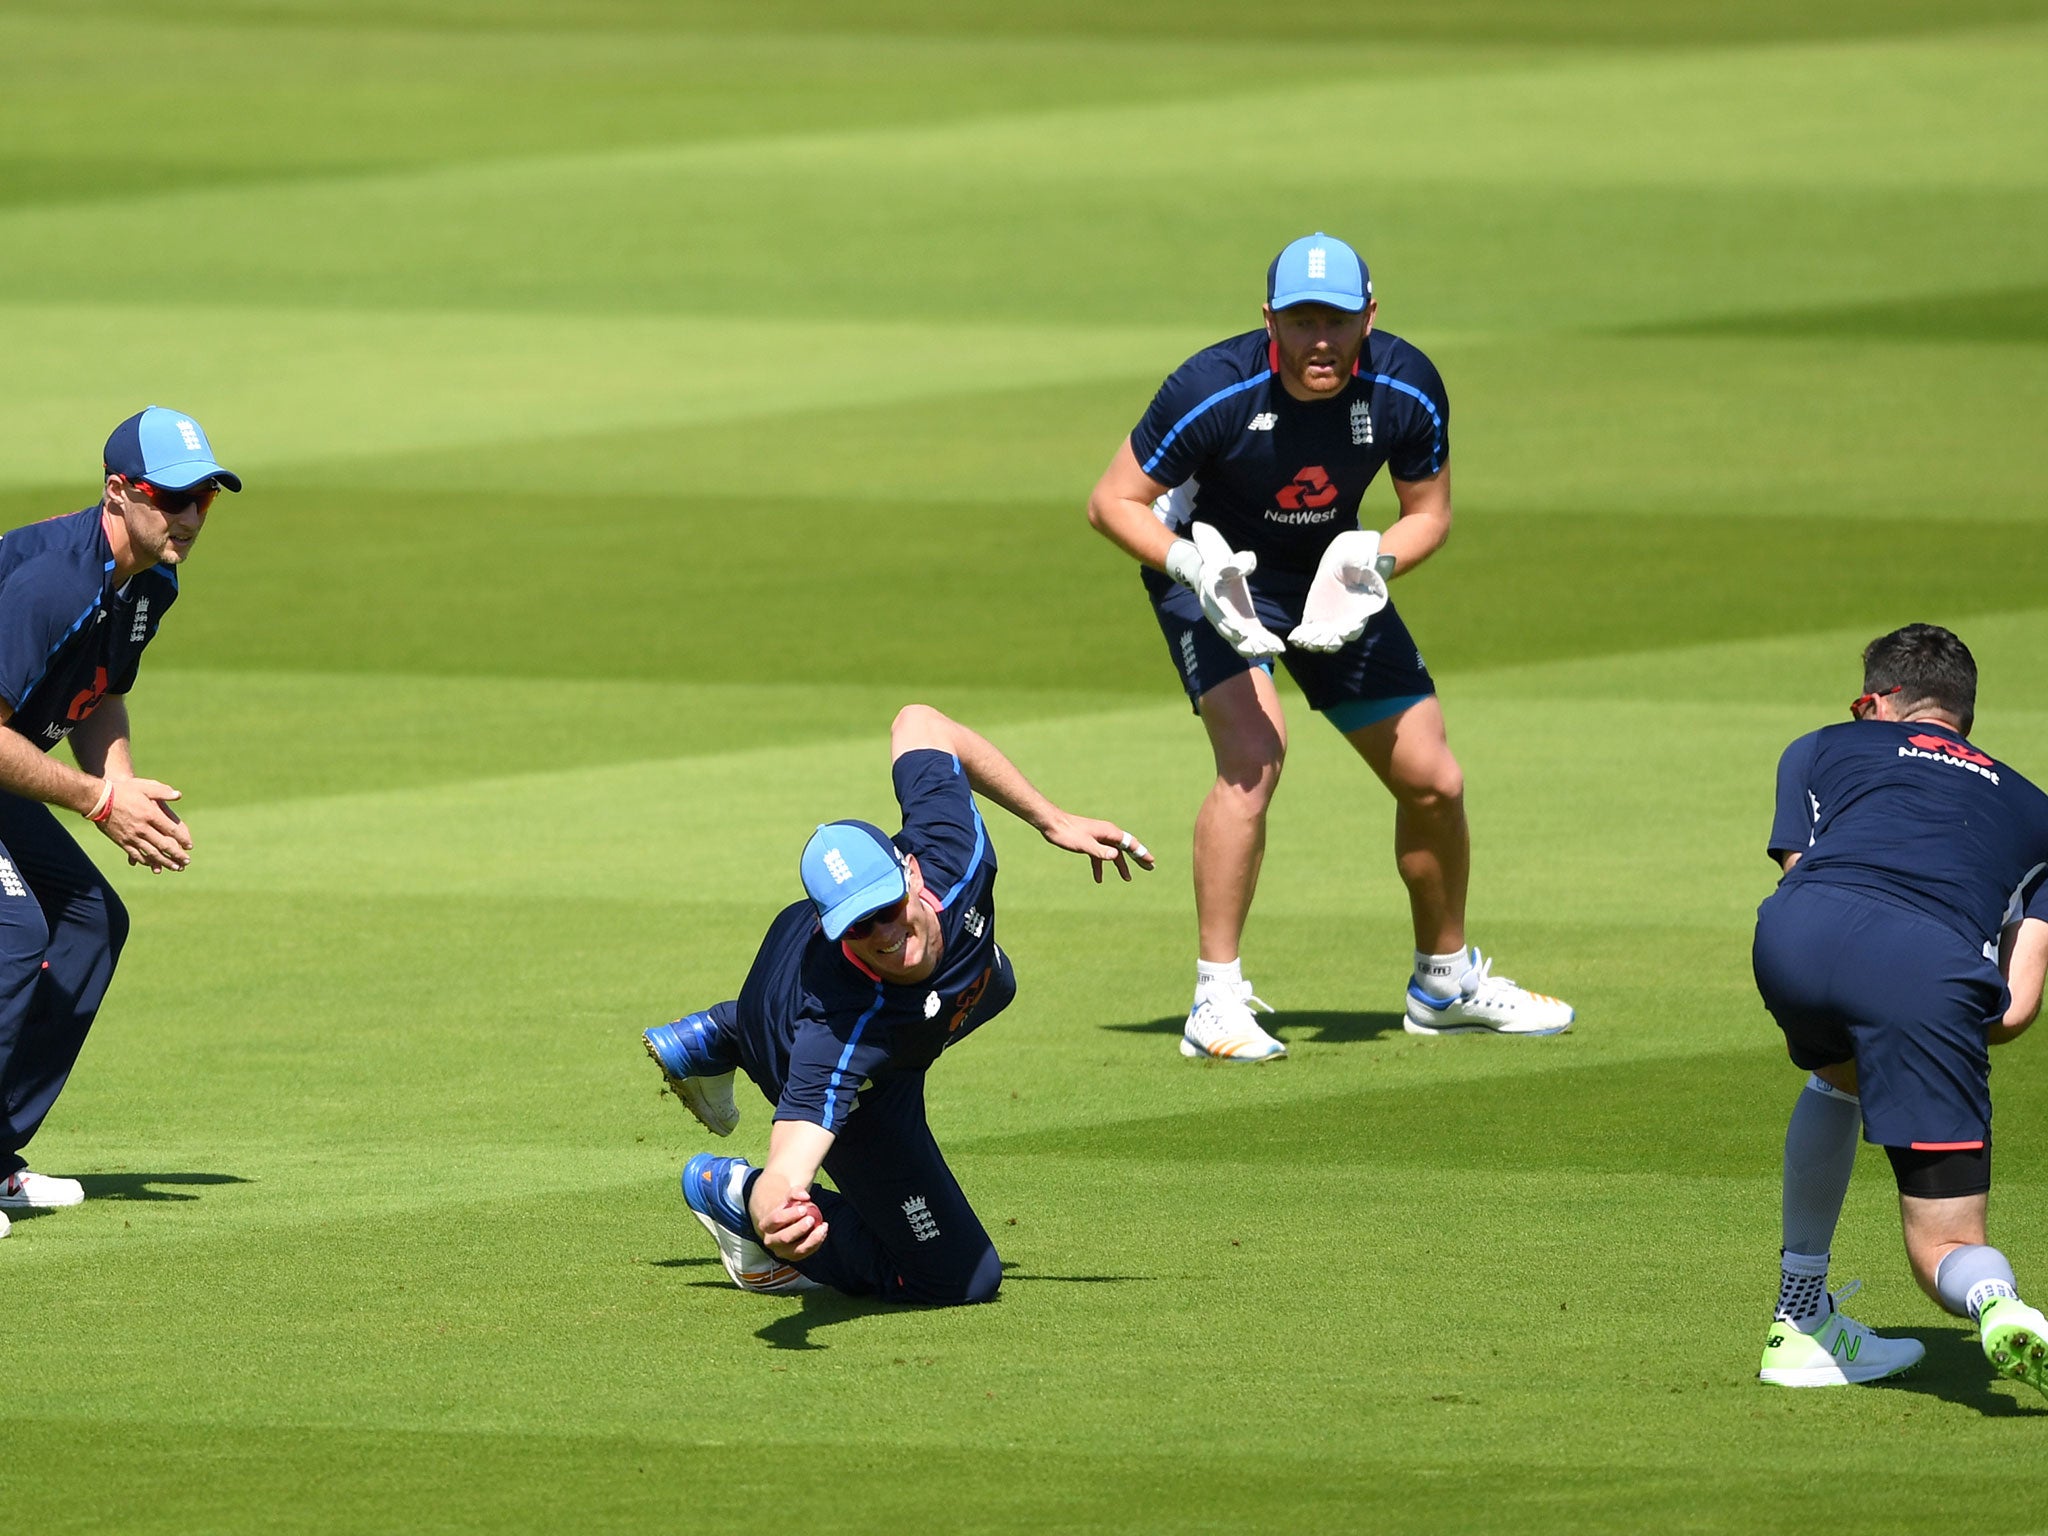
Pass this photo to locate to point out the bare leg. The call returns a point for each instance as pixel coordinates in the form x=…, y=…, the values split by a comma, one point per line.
x=1432, y=844
x=1248, y=735
x=1934, y=1229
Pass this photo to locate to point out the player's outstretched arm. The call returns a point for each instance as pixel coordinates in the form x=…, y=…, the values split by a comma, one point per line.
x=780, y=1203
x=2023, y=956
x=919, y=727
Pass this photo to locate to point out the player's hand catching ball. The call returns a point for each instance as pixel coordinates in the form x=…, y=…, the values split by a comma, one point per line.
x=795, y=1229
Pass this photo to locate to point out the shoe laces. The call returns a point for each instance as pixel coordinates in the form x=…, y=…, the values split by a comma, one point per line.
x=1481, y=985
x=1228, y=1010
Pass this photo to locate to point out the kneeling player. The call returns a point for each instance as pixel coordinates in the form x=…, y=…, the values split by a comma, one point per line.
x=852, y=997
x=1916, y=868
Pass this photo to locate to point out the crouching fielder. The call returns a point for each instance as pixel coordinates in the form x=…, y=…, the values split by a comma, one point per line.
x=853, y=996
x=1916, y=867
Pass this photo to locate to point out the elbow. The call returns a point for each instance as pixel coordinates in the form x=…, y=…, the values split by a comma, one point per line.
x=1096, y=517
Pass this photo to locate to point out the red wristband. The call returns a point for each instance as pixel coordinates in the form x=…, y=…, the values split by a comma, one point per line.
x=104, y=804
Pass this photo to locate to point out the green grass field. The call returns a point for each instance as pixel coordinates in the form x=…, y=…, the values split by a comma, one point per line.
x=640, y=401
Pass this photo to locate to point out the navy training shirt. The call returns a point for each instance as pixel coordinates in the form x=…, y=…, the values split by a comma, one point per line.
x=1282, y=476
x=1911, y=813
x=68, y=636
x=815, y=1024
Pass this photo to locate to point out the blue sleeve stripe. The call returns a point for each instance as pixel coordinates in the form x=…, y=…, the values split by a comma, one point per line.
x=1221, y=394
x=1436, y=420
x=846, y=1056
x=980, y=843
x=62, y=640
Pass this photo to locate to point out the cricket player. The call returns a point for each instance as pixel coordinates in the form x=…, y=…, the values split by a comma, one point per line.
x=855, y=992
x=1908, y=934
x=81, y=596
x=1239, y=493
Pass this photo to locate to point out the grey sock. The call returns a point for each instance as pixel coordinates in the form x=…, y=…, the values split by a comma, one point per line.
x=1969, y=1277
x=1803, y=1289
x=1820, y=1154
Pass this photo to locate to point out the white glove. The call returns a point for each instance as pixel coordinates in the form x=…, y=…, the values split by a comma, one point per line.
x=1347, y=592
x=1217, y=574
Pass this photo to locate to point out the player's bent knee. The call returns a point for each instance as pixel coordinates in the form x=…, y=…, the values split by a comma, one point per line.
x=113, y=920
x=986, y=1280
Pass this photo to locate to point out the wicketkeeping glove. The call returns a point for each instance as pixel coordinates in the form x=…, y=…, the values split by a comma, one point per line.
x=1216, y=574
x=1347, y=592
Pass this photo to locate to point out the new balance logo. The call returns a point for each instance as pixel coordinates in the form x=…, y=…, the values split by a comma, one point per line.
x=1263, y=422
x=837, y=867
x=1845, y=1346
x=10, y=878
x=922, y=1227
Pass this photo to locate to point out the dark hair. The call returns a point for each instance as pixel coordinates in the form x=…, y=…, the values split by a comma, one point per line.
x=1927, y=665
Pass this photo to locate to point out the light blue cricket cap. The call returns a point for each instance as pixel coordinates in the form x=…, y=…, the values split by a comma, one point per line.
x=166, y=448
x=1318, y=269
x=851, y=870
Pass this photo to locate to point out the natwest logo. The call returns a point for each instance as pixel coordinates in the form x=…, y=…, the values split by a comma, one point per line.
x=1950, y=748
x=1311, y=487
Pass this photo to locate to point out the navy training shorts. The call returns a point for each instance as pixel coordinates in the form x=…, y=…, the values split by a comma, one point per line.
x=1851, y=977
x=1382, y=667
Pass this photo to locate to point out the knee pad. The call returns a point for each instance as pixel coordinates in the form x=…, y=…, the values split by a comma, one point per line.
x=1941, y=1175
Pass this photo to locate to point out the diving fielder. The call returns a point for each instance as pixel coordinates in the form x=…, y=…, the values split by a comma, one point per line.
x=1916, y=871
x=1239, y=493
x=855, y=993
x=80, y=598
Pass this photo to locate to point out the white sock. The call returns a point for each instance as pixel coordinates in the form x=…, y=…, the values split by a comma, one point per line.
x=1439, y=975
x=1211, y=975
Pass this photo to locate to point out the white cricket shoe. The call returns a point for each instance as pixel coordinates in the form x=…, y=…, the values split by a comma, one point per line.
x=1487, y=1002
x=4, y=1223
x=26, y=1190
x=1220, y=1025
x=1839, y=1352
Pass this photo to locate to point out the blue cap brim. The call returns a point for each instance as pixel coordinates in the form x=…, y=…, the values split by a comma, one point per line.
x=1332, y=300
x=865, y=902
x=189, y=472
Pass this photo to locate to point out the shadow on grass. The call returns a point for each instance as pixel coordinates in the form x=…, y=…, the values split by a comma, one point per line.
x=821, y=1309
x=137, y=1186
x=1956, y=1371
x=1319, y=1028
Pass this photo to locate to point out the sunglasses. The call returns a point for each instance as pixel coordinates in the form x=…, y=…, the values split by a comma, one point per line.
x=888, y=914
x=1867, y=701
x=171, y=503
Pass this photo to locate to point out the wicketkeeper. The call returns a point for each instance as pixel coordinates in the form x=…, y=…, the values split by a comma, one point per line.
x=1239, y=493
